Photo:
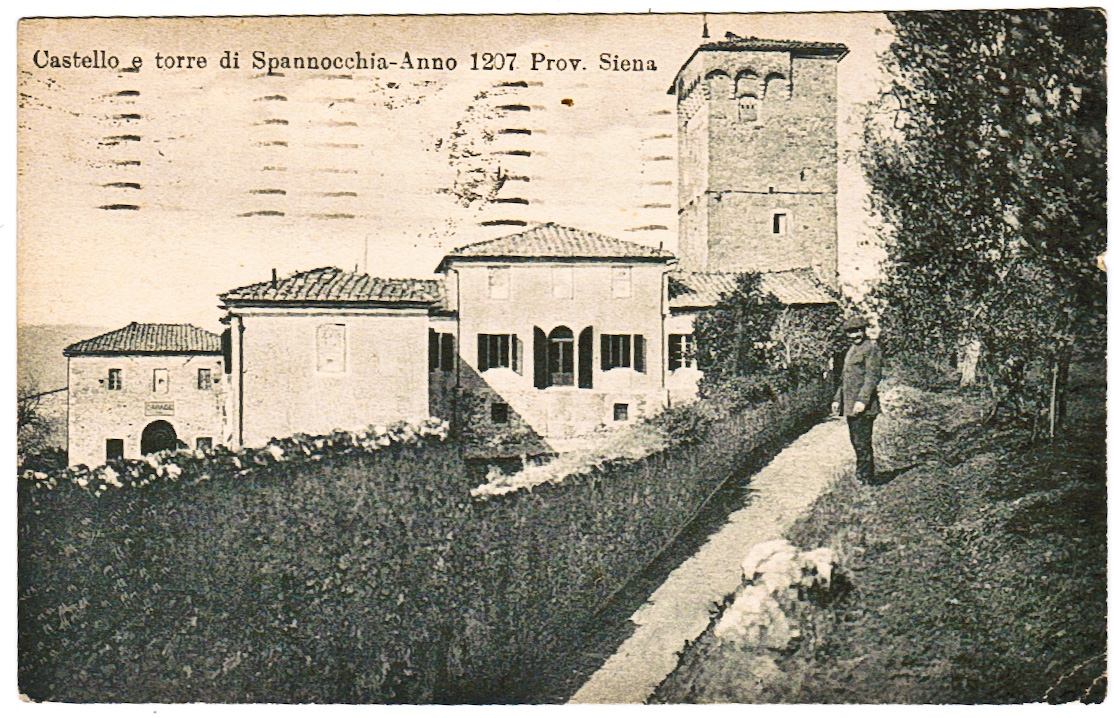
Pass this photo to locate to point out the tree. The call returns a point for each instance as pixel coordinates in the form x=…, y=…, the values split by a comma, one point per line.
x=31, y=425
x=733, y=337
x=987, y=163
x=804, y=335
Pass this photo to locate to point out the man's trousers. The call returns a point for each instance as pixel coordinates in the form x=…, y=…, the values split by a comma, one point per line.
x=861, y=428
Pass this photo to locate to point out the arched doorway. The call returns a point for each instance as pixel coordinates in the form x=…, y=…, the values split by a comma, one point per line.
x=158, y=435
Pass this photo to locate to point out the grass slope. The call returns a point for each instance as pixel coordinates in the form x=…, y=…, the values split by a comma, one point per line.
x=976, y=572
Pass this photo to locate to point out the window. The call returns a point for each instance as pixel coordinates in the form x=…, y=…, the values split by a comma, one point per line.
x=620, y=282
x=204, y=379
x=160, y=381
x=682, y=352
x=781, y=223
x=623, y=351
x=332, y=342
x=499, y=412
x=498, y=282
x=562, y=282
x=204, y=443
x=115, y=379
x=620, y=412
x=441, y=352
x=561, y=357
x=113, y=449
x=748, y=108
x=499, y=351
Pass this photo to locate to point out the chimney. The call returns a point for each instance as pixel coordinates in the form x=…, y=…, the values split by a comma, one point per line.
x=274, y=278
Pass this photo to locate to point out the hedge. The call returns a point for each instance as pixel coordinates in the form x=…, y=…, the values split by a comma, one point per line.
x=359, y=576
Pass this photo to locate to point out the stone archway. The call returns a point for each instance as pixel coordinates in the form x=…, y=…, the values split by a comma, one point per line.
x=158, y=435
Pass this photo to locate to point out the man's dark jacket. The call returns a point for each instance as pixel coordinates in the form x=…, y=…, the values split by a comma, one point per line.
x=862, y=370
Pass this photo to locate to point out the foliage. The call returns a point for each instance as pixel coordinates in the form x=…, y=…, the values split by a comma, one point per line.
x=987, y=164
x=804, y=335
x=336, y=569
x=31, y=424
x=733, y=337
x=690, y=422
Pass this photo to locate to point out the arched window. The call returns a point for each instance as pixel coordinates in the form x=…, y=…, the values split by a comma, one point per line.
x=561, y=357
x=720, y=94
x=777, y=88
x=746, y=83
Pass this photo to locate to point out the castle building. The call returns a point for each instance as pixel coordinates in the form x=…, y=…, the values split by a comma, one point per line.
x=551, y=331
x=757, y=156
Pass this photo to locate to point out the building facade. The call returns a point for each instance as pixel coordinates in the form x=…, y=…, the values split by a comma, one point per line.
x=559, y=328
x=324, y=350
x=144, y=388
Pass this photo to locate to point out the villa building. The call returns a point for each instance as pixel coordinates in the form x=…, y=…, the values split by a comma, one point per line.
x=553, y=331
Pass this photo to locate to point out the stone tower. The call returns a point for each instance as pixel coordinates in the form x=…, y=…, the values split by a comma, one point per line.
x=758, y=160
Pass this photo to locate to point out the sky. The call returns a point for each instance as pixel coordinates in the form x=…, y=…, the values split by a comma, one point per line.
x=233, y=172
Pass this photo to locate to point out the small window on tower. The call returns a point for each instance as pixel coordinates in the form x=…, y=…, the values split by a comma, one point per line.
x=748, y=108
x=781, y=223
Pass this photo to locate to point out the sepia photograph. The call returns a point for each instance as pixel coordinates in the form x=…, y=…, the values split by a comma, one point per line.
x=632, y=358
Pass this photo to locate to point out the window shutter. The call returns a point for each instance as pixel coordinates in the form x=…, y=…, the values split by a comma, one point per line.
x=434, y=351
x=448, y=352
x=605, y=352
x=541, y=359
x=584, y=374
x=481, y=343
x=516, y=353
x=226, y=350
x=674, y=351
x=639, y=353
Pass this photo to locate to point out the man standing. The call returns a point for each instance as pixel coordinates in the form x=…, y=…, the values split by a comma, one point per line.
x=857, y=396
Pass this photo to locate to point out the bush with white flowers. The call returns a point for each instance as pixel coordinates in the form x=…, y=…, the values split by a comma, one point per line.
x=201, y=464
x=776, y=575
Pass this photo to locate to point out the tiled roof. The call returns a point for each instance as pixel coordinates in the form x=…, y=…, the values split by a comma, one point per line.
x=693, y=290
x=552, y=241
x=149, y=339
x=330, y=285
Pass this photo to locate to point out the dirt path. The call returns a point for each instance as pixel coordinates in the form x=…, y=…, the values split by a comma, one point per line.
x=679, y=610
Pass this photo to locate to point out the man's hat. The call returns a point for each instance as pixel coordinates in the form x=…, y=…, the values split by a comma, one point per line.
x=854, y=322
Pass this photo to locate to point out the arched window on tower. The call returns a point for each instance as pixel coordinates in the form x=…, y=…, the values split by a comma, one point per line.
x=746, y=83
x=720, y=94
x=776, y=88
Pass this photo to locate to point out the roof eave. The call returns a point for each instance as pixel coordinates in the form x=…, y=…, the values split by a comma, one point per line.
x=450, y=258
x=325, y=303
x=145, y=352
